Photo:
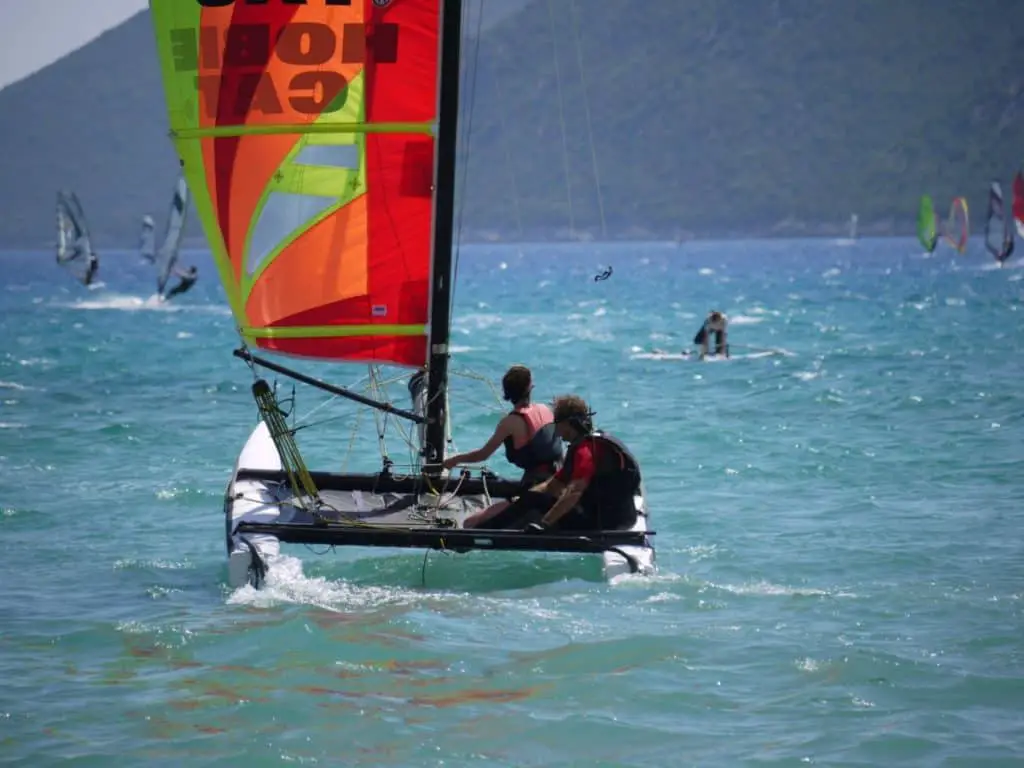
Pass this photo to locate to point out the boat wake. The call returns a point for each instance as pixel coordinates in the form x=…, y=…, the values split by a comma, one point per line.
x=130, y=303
x=286, y=583
x=686, y=356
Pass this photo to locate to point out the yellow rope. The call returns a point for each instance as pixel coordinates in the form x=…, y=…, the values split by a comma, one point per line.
x=301, y=482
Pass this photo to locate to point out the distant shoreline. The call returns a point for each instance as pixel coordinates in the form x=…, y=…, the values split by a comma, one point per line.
x=192, y=244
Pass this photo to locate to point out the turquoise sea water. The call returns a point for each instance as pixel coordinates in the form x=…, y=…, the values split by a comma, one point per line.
x=839, y=528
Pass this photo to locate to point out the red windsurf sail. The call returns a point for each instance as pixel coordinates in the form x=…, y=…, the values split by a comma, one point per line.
x=1018, y=202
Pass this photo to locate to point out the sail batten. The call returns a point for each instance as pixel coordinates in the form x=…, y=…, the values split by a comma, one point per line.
x=307, y=134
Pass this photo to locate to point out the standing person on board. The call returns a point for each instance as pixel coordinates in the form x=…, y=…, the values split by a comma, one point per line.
x=715, y=324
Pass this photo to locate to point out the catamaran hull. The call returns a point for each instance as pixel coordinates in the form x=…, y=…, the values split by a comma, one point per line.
x=253, y=502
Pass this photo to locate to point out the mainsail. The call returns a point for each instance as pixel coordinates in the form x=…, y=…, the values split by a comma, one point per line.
x=167, y=256
x=74, y=246
x=957, y=228
x=307, y=137
x=998, y=234
x=1018, y=202
x=927, y=228
x=147, y=240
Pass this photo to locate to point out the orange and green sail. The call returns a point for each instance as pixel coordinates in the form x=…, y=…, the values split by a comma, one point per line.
x=307, y=135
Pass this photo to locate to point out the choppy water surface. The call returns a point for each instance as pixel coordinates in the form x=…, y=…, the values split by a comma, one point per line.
x=839, y=527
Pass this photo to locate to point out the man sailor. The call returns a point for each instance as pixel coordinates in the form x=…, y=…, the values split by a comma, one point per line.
x=715, y=324
x=593, y=491
x=186, y=280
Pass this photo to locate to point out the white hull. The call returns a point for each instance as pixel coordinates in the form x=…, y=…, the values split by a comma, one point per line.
x=257, y=501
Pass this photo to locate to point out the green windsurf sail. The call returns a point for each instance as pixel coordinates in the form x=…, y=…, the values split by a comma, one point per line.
x=927, y=227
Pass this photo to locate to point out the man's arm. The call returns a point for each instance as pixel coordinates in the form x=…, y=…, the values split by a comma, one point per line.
x=570, y=497
x=552, y=486
x=583, y=469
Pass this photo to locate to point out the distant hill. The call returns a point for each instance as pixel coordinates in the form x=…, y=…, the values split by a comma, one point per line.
x=732, y=116
x=709, y=118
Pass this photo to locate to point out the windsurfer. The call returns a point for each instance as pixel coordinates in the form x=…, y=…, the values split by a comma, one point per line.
x=90, y=271
x=186, y=279
x=716, y=324
x=594, y=489
x=1008, y=245
x=527, y=432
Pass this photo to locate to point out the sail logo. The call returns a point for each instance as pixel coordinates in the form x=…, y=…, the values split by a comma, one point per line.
x=234, y=65
x=226, y=3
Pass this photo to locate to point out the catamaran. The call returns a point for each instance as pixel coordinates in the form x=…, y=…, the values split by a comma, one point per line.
x=998, y=231
x=323, y=171
x=74, y=245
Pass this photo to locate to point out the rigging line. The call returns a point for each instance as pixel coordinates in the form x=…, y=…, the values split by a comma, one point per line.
x=561, y=119
x=586, y=112
x=471, y=72
x=508, y=152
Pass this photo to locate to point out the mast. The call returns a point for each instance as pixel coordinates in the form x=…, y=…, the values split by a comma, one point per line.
x=444, y=215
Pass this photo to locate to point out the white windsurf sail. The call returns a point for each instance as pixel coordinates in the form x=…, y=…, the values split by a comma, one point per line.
x=998, y=234
x=147, y=240
x=167, y=256
x=74, y=246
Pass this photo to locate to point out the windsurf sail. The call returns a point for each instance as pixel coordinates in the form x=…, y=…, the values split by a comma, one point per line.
x=74, y=246
x=998, y=234
x=957, y=228
x=853, y=226
x=1018, y=202
x=167, y=256
x=307, y=136
x=147, y=240
x=927, y=227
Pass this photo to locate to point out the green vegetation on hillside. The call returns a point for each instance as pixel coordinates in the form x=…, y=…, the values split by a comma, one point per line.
x=719, y=116
x=708, y=117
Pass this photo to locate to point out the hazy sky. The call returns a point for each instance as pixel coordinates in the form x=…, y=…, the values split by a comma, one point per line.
x=37, y=32
x=34, y=33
